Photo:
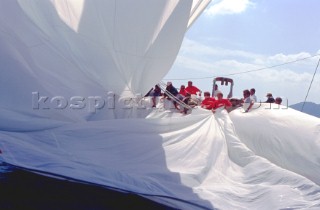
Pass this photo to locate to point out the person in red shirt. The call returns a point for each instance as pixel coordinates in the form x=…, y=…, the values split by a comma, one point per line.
x=220, y=102
x=183, y=91
x=207, y=101
x=192, y=89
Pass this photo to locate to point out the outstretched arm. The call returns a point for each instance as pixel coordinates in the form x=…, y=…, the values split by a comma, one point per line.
x=250, y=106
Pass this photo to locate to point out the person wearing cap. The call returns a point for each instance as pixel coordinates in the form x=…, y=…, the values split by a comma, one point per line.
x=247, y=102
x=270, y=98
x=220, y=102
x=192, y=89
x=171, y=91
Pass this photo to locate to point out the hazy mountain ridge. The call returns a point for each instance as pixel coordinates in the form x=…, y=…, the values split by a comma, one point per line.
x=309, y=108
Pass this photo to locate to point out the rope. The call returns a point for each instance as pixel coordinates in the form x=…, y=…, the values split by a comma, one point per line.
x=244, y=72
x=310, y=85
x=162, y=85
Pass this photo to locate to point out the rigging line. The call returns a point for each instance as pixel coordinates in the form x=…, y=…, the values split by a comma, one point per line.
x=243, y=72
x=310, y=85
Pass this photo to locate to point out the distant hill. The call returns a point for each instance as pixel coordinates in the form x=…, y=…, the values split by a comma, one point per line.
x=309, y=108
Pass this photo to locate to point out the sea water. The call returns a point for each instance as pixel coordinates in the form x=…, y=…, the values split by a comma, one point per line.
x=22, y=189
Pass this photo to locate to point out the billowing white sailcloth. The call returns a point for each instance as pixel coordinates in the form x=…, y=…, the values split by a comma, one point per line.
x=87, y=48
x=193, y=162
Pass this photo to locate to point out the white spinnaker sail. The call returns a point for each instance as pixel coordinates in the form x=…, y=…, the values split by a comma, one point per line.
x=196, y=161
x=198, y=7
x=80, y=47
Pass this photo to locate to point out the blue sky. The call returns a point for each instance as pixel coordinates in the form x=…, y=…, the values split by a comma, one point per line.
x=234, y=36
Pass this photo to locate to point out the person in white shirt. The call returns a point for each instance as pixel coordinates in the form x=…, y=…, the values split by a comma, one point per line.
x=247, y=102
x=253, y=97
x=216, y=91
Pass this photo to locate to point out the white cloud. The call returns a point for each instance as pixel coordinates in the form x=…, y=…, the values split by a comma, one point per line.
x=290, y=80
x=195, y=49
x=281, y=58
x=226, y=7
x=193, y=64
x=194, y=54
